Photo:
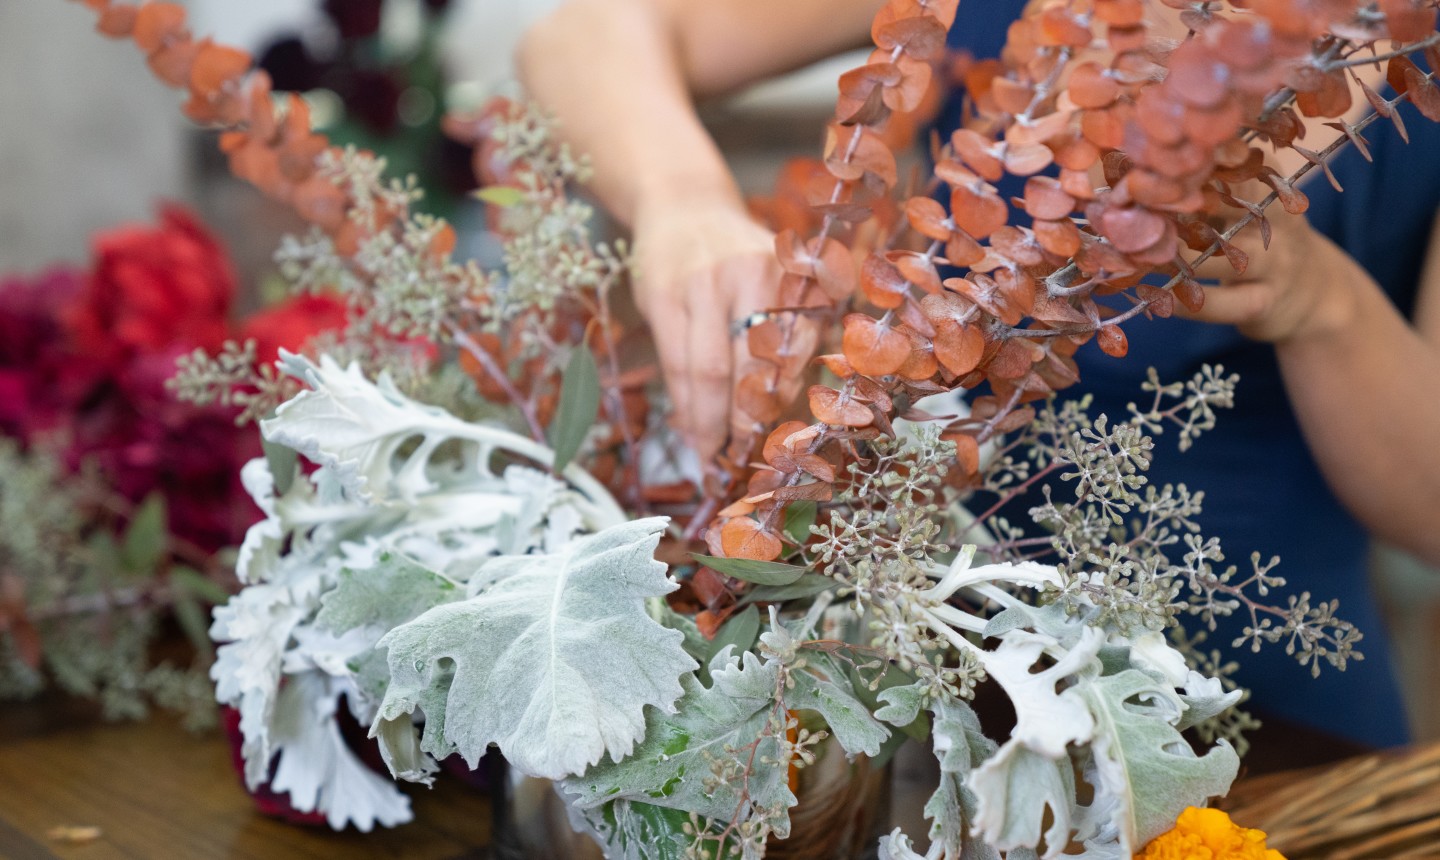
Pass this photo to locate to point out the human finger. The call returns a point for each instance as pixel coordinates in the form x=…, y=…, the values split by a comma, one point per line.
x=710, y=364
x=1239, y=304
x=670, y=338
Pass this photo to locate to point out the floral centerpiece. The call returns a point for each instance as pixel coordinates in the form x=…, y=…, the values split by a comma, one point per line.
x=535, y=567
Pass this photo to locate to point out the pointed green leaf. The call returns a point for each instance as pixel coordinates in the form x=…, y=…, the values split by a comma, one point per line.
x=808, y=585
x=579, y=404
x=740, y=632
x=503, y=196
x=145, y=538
x=799, y=517
x=758, y=572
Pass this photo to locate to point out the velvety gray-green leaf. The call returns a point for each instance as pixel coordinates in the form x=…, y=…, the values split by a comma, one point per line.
x=1142, y=762
x=641, y=831
x=822, y=686
x=391, y=593
x=555, y=661
x=1018, y=790
x=672, y=766
x=283, y=462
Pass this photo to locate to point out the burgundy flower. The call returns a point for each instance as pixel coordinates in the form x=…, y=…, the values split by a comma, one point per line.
x=355, y=19
x=44, y=376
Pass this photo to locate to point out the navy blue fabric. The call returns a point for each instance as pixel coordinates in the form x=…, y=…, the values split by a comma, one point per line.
x=1263, y=490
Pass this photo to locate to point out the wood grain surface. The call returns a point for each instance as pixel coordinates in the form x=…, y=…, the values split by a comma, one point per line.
x=156, y=791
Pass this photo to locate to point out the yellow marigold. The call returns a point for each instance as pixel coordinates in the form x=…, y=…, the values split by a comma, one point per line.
x=1208, y=834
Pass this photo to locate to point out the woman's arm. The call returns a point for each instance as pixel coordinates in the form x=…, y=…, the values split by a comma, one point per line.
x=1364, y=382
x=620, y=75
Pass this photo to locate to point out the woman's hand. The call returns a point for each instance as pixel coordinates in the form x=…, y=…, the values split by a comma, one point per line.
x=1303, y=286
x=702, y=266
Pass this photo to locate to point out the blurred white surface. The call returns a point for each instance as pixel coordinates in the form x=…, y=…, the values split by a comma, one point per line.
x=87, y=138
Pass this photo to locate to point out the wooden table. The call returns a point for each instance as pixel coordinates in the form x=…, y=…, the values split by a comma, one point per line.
x=156, y=791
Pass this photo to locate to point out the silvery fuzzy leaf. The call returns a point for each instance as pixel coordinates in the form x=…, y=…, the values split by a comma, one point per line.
x=255, y=626
x=317, y=768
x=1205, y=698
x=673, y=765
x=391, y=592
x=897, y=846
x=313, y=648
x=960, y=746
x=363, y=436
x=822, y=686
x=902, y=705
x=627, y=830
x=1045, y=721
x=554, y=661
x=1145, y=769
x=264, y=541
x=1149, y=652
x=356, y=428
x=1015, y=788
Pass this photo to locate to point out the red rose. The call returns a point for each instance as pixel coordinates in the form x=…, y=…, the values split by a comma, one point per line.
x=153, y=288
x=293, y=323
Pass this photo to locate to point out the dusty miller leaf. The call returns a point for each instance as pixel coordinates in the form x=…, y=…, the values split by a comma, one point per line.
x=554, y=661
x=1144, y=766
x=1015, y=788
x=673, y=766
x=317, y=768
x=638, y=831
x=392, y=592
x=822, y=686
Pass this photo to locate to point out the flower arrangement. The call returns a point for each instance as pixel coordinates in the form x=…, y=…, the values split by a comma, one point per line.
x=520, y=569
x=117, y=497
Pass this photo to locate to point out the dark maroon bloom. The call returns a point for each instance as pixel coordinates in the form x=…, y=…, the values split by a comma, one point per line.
x=355, y=19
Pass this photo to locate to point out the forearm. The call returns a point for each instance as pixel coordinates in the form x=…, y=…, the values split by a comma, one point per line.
x=1365, y=386
x=611, y=72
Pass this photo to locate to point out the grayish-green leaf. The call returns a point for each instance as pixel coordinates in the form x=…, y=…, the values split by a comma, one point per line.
x=1015, y=788
x=145, y=537
x=394, y=591
x=579, y=404
x=759, y=572
x=284, y=464
x=822, y=686
x=673, y=767
x=639, y=831
x=554, y=661
x=1144, y=766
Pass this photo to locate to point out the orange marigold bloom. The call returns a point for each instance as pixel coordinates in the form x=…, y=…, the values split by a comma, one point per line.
x=1208, y=834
